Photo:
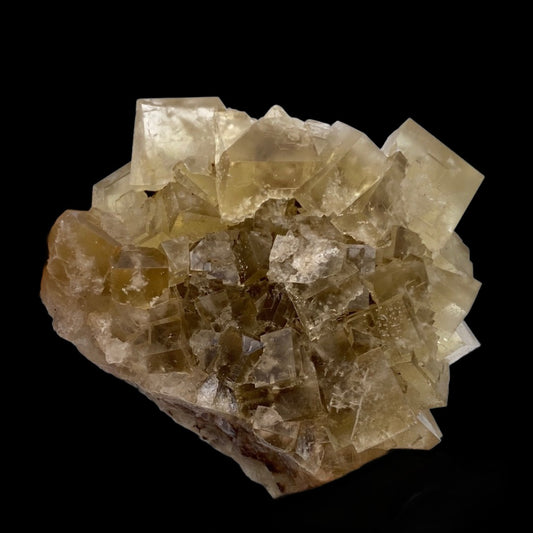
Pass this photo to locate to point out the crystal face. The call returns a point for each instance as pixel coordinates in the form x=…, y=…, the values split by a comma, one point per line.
x=283, y=288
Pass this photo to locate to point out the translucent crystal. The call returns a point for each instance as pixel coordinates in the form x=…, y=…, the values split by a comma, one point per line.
x=272, y=159
x=169, y=131
x=351, y=164
x=438, y=184
x=284, y=288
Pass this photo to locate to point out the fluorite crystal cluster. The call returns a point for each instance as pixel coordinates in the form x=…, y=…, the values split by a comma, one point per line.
x=286, y=289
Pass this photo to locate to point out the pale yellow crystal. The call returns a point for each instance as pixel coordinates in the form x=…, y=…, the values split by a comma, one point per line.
x=107, y=191
x=177, y=252
x=351, y=164
x=438, y=185
x=138, y=276
x=272, y=159
x=285, y=289
x=172, y=130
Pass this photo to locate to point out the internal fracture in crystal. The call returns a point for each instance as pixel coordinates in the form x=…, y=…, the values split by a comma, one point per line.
x=284, y=288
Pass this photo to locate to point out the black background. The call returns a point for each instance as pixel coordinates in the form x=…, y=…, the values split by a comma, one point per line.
x=89, y=449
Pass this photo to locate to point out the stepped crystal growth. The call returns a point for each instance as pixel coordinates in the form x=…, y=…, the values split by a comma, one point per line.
x=285, y=289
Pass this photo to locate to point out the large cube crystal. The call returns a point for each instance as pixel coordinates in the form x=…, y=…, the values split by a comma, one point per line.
x=285, y=289
x=438, y=184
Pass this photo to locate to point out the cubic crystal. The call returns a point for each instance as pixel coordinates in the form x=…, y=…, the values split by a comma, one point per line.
x=284, y=288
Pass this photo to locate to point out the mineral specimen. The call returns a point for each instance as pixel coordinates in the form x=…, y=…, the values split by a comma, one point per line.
x=285, y=289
